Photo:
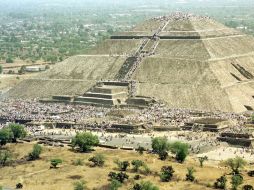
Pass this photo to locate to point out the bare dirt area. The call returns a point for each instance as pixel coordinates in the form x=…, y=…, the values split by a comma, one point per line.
x=38, y=175
x=19, y=63
x=8, y=81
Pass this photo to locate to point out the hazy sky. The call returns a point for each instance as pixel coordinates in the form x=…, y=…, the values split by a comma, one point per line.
x=15, y=5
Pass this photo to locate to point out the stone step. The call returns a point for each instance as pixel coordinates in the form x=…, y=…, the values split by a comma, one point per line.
x=109, y=89
x=98, y=100
x=115, y=83
x=121, y=95
x=92, y=104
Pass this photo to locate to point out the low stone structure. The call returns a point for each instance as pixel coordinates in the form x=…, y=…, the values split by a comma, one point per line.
x=207, y=124
x=107, y=94
x=242, y=139
x=35, y=68
x=127, y=128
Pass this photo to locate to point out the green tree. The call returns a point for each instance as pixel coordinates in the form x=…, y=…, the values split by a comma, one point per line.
x=1, y=69
x=98, y=160
x=160, y=146
x=236, y=164
x=145, y=186
x=35, y=154
x=54, y=162
x=18, y=131
x=201, y=160
x=190, y=174
x=166, y=173
x=180, y=149
x=85, y=141
x=236, y=181
x=5, y=157
x=80, y=185
x=137, y=164
x=6, y=136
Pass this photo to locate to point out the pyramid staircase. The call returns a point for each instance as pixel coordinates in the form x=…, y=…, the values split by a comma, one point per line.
x=107, y=93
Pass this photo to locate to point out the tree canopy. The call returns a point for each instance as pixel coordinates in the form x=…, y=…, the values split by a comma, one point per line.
x=6, y=136
x=17, y=130
x=85, y=141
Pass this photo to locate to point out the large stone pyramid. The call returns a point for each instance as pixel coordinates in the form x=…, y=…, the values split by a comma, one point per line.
x=186, y=61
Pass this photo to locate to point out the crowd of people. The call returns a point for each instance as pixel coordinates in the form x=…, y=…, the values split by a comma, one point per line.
x=180, y=16
x=158, y=113
x=99, y=119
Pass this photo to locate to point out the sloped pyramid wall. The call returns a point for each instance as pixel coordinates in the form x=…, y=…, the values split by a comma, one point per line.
x=198, y=64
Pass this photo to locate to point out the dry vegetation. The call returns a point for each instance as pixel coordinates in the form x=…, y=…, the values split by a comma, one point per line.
x=38, y=175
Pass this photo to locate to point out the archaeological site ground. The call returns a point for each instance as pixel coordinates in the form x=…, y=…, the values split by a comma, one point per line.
x=162, y=98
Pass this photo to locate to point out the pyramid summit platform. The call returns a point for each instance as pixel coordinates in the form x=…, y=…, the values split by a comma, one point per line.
x=183, y=60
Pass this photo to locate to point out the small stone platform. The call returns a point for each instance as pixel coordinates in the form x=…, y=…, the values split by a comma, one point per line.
x=207, y=124
x=105, y=93
x=240, y=139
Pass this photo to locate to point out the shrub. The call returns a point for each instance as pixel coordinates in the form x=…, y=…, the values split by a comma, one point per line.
x=55, y=162
x=85, y=141
x=146, y=170
x=202, y=160
x=35, y=154
x=137, y=177
x=163, y=155
x=122, y=166
x=190, y=174
x=137, y=164
x=1, y=69
x=78, y=162
x=115, y=184
x=236, y=180
x=140, y=150
x=236, y=164
x=252, y=118
x=166, y=173
x=145, y=186
x=5, y=157
x=251, y=173
x=9, y=60
x=18, y=131
x=248, y=187
x=98, y=160
x=118, y=176
x=180, y=149
x=19, y=186
x=6, y=136
x=221, y=182
x=160, y=144
x=79, y=185
x=22, y=70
